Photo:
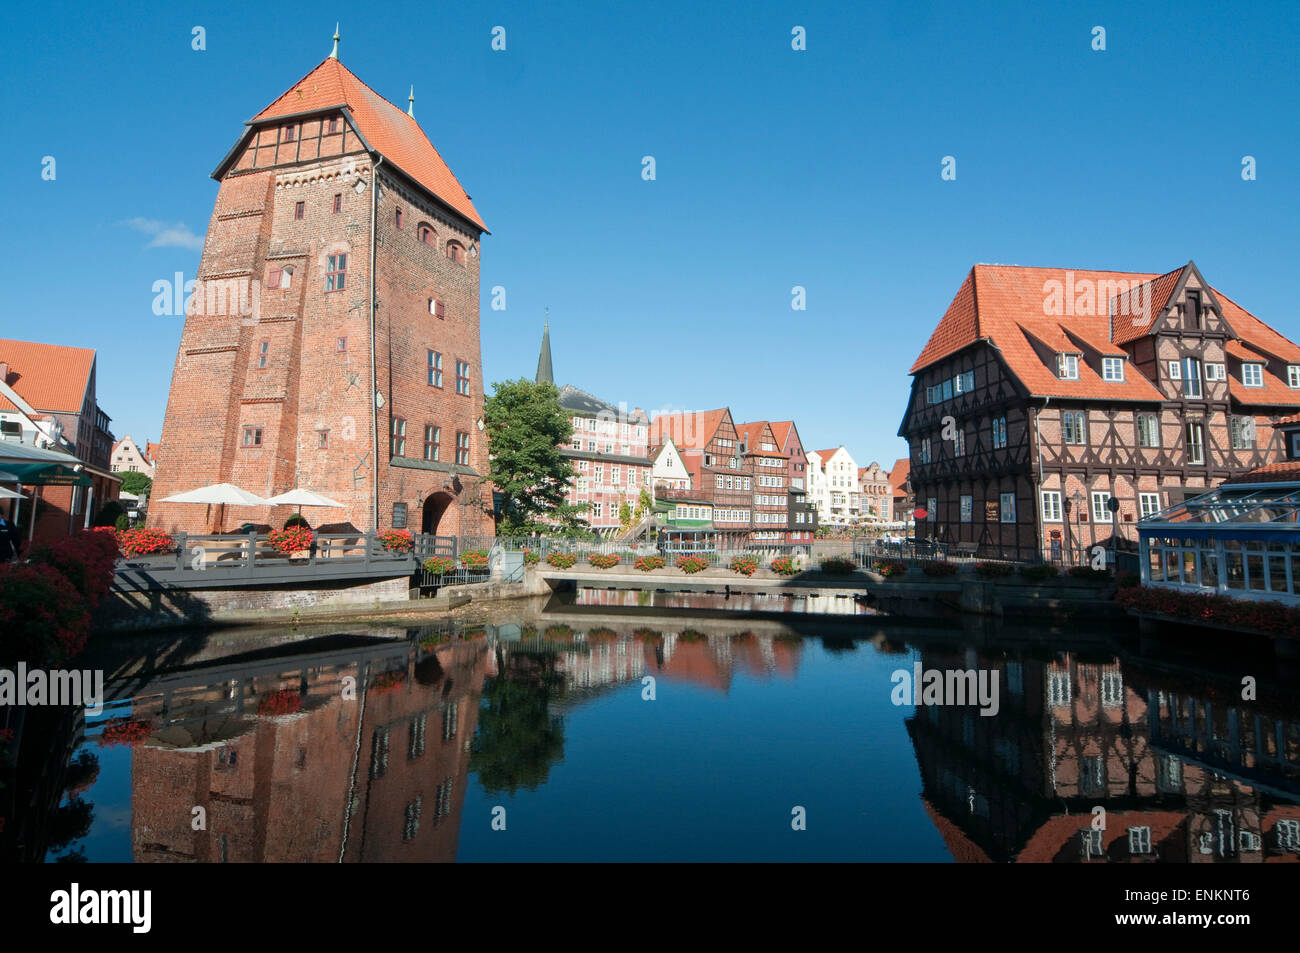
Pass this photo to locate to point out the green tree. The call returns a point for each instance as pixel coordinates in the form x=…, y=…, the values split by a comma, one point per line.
x=625, y=514
x=136, y=483
x=526, y=428
x=518, y=737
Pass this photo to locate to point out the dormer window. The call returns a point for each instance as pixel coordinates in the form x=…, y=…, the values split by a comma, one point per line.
x=1067, y=367
x=1293, y=376
x=1112, y=368
x=1252, y=375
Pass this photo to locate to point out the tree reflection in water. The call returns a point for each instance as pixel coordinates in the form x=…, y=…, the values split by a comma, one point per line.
x=518, y=737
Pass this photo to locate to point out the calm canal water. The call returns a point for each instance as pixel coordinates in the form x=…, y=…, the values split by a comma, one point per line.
x=619, y=726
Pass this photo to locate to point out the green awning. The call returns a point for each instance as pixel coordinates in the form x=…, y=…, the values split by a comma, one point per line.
x=47, y=474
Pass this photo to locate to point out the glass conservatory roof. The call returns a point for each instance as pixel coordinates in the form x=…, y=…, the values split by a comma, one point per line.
x=1274, y=504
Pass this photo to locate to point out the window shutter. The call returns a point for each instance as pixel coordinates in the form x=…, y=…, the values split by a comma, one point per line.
x=441, y=309
x=274, y=280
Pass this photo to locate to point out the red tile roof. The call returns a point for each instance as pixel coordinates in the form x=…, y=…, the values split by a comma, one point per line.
x=1157, y=292
x=826, y=454
x=688, y=430
x=781, y=431
x=898, y=476
x=1283, y=471
x=1008, y=305
x=50, y=377
x=151, y=452
x=388, y=129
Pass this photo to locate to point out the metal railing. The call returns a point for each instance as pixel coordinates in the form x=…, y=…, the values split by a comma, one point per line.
x=208, y=560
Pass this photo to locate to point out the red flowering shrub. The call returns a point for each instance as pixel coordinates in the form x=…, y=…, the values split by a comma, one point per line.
x=784, y=566
x=1272, y=618
x=284, y=702
x=388, y=681
x=531, y=558
x=439, y=565
x=692, y=564
x=144, y=542
x=86, y=560
x=558, y=633
x=125, y=731
x=745, y=565
x=839, y=565
x=603, y=560
x=891, y=568
x=291, y=539
x=647, y=635
x=43, y=618
x=397, y=540
x=647, y=563
x=561, y=560
x=939, y=570
x=691, y=635
x=602, y=635
x=474, y=559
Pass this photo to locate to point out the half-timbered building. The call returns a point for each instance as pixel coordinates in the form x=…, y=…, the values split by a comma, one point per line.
x=710, y=447
x=802, y=512
x=769, y=466
x=1051, y=408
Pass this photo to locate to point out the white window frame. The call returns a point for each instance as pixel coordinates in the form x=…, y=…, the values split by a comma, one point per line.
x=1293, y=376
x=1067, y=367
x=1112, y=369
x=1100, y=499
x=1139, y=840
x=1175, y=370
x=967, y=508
x=1192, y=378
x=1155, y=434
x=1252, y=374
x=1197, y=427
x=1051, y=505
x=1148, y=504
x=931, y=509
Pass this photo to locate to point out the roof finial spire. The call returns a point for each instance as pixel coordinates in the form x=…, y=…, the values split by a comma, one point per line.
x=410, y=110
x=334, y=54
x=545, y=373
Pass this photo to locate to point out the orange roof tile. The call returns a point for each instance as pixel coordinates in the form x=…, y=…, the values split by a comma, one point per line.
x=1009, y=306
x=1282, y=471
x=388, y=129
x=898, y=476
x=151, y=451
x=1156, y=293
x=50, y=377
x=688, y=430
x=781, y=431
x=826, y=454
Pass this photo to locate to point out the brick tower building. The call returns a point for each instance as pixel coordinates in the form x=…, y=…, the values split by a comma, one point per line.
x=332, y=340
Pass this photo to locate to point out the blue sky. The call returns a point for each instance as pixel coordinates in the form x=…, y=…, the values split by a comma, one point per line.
x=775, y=168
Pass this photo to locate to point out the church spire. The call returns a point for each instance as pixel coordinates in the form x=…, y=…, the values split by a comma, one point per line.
x=544, y=373
x=334, y=54
x=410, y=110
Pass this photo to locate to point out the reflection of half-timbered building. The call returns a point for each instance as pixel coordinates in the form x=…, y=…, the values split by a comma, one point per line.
x=1044, y=393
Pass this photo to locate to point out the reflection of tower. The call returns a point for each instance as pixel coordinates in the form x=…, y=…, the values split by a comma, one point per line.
x=275, y=786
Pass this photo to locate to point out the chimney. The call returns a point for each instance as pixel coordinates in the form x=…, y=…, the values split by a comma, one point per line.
x=4, y=372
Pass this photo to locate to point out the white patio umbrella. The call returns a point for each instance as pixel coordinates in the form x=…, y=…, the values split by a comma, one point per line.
x=217, y=493
x=7, y=477
x=300, y=498
x=10, y=495
x=221, y=494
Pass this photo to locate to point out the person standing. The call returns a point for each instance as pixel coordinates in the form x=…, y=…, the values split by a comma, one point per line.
x=8, y=540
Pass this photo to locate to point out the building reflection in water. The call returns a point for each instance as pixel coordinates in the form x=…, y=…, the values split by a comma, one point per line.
x=1182, y=775
x=292, y=765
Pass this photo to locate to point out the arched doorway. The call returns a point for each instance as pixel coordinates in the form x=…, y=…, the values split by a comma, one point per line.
x=434, y=509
